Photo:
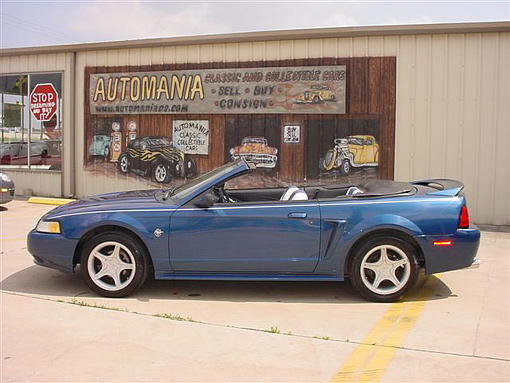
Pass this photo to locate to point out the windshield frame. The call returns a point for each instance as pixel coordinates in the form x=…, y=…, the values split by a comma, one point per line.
x=186, y=192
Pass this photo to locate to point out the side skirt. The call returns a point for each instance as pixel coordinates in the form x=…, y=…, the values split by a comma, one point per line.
x=248, y=277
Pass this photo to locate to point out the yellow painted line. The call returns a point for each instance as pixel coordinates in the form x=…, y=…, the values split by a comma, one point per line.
x=50, y=201
x=370, y=359
x=13, y=239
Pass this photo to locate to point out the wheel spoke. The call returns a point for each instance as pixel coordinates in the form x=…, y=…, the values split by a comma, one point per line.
x=126, y=266
x=384, y=254
x=116, y=279
x=377, y=280
x=101, y=273
x=116, y=253
x=101, y=257
x=398, y=263
x=374, y=266
x=393, y=279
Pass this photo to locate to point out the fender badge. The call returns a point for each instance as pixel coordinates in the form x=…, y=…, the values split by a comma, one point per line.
x=158, y=232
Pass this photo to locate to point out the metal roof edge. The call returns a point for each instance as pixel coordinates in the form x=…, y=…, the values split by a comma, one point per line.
x=288, y=34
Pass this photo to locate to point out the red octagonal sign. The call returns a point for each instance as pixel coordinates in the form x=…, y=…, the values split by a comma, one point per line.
x=43, y=102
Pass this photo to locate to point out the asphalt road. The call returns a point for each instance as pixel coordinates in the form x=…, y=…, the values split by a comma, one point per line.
x=454, y=327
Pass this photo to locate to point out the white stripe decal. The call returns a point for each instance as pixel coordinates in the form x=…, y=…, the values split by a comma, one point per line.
x=254, y=207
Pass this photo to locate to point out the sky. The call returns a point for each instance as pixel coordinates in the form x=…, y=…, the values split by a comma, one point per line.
x=36, y=23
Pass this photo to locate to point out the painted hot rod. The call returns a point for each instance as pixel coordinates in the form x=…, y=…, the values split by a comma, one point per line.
x=158, y=158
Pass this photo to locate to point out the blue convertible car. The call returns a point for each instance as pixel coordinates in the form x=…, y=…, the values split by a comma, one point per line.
x=378, y=234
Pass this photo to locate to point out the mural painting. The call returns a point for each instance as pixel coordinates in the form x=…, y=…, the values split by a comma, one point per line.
x=297, y=125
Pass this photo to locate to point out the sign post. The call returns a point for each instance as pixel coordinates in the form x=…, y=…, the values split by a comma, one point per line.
x=43, y=102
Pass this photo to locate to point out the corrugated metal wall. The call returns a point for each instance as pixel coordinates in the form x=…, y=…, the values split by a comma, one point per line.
x=452, y=103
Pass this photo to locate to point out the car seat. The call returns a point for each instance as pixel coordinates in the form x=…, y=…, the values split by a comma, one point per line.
x=293, y=193
x=353, y=190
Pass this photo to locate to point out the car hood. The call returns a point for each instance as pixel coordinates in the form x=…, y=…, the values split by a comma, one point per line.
x=130, y=200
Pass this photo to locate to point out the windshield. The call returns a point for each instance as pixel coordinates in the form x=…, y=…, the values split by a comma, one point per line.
x=160, y=141
x=191, y=187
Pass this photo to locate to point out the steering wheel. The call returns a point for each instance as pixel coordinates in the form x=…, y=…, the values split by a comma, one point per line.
x=219, y=191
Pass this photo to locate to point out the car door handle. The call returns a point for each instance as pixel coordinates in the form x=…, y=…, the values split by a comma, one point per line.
x=297, y=215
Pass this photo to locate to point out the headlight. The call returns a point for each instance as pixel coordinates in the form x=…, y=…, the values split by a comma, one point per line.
x=48, y=227
x=232, y=151
x=5, y=177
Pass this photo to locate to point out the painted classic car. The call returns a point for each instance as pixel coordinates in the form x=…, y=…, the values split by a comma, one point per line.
x=379, y=234
x=256, y=150
x=156, y=157
x=353, y=151
x=316, y=95
x=100, y=146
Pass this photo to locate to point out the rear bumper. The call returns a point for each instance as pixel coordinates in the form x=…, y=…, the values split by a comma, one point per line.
x=461, y=254
x=52, y=250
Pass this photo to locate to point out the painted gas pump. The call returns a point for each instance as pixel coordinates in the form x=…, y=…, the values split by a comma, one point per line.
x=116, y=142
x=131, y=131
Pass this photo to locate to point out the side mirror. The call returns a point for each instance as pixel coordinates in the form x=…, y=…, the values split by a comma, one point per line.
x=205, y=200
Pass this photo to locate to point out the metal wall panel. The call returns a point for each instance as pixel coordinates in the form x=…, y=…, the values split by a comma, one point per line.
x=452, y=116
x=45, y=183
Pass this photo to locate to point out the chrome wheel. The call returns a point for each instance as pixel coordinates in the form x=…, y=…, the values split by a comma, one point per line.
x=385, y=269
x=124, y=164
x=111, y=266
x=160, y=173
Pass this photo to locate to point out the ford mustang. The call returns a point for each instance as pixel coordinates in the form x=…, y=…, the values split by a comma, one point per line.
x=379, y=234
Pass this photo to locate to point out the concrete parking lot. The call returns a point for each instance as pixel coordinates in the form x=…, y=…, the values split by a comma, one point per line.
x=453, y=327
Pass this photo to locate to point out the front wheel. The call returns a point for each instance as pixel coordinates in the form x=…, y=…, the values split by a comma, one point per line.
x=384, y=268
x=113, y=265
x=161, y=173
x=345, y=168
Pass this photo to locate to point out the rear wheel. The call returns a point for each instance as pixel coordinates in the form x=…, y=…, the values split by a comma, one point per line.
x=124, y=163
x=384, y=269
x=113, y=265
x=328, y=161
x=106, y=153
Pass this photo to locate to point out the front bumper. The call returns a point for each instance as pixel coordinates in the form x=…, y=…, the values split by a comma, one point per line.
x=461, y=254
x=52, y=250
x=475, y=264
x=6, y=195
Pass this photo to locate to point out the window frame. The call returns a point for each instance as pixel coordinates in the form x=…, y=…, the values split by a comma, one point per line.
x=60, y=111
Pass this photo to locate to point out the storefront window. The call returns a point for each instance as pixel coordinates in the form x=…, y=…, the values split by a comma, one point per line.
x=31, y=127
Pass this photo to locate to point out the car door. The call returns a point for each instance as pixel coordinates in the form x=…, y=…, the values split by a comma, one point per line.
x=269, y=237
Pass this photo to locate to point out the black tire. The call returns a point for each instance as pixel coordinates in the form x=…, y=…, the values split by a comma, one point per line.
x=139, y=259
x=345, y=168
x=161, y=172
x=406, y=274
x=190, y=167
x=106, y=153
x=316, y=100
x=123, y=163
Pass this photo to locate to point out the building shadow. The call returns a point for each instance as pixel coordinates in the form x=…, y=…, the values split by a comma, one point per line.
x=36, y=280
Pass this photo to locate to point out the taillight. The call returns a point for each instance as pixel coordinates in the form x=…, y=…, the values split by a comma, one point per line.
x=464, y=218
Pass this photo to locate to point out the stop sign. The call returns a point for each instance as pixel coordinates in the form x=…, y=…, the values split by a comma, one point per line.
x=43, y=102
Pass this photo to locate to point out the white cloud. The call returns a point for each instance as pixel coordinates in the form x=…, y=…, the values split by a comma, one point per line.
x=109, y=21
x=425, y=19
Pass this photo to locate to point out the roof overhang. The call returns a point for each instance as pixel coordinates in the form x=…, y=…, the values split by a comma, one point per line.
x=294, y=34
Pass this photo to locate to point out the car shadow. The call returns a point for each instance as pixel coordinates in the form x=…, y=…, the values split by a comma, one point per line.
x=36, y=280
x=3, y=208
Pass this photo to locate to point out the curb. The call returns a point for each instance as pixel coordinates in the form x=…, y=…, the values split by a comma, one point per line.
x=50, y=201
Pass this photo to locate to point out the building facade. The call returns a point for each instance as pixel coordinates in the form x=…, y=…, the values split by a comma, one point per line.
x=324, y=106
